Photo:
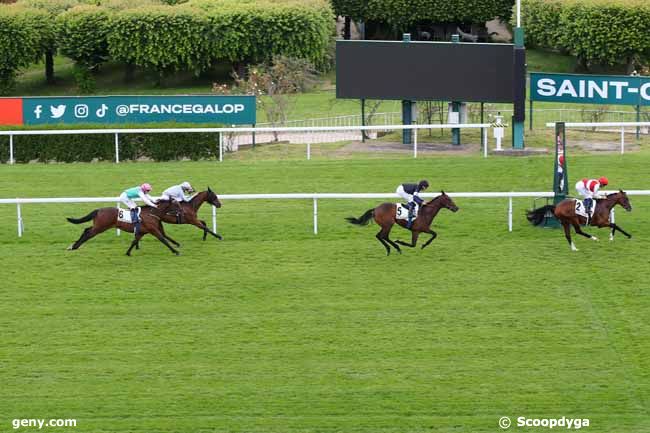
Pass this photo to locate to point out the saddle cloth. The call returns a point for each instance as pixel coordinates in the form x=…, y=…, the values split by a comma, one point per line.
x=124, y=215
x=581, y=209
x=402, y=211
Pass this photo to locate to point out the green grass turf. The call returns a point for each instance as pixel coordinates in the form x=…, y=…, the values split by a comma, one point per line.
x=277, y=330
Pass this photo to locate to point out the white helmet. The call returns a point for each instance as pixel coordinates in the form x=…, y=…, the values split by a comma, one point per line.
x=187, y=187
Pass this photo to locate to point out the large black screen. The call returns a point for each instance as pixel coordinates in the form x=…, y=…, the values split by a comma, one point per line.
x=425, y=71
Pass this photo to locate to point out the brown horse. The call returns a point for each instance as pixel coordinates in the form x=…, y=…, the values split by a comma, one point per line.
x=189, y=214
x=106, y=218
x=385, y=216
x=565, y=213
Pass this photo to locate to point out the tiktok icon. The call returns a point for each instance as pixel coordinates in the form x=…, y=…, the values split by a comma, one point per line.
x=101, y=112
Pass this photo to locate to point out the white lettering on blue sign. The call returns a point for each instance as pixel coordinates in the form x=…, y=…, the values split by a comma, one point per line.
x=575, y=88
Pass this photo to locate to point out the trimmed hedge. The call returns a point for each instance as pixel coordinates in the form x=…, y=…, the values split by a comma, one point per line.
x=85, y=148
x=400, y=14
x=595, y=31
x=164, y=38
x=22, y=38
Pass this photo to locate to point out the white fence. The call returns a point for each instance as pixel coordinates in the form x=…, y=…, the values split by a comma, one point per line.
x=313, y=197
x=224, y=131
x=617, y=125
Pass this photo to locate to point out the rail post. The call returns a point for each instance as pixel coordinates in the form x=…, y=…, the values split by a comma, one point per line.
x=415, y=143
x=484, y=142
x=11, y=149
x=117, y=230
x=214, y=219
x=315, y=216
x=20, y=220
x=622, y=140
x=308, y=150
x=510, y=214
x=220, y=146
x=117, y=148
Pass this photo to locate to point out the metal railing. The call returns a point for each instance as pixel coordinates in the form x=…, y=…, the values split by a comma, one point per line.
x=314, y=197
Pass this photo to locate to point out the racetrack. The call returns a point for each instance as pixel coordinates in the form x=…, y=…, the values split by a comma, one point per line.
x=277, y=330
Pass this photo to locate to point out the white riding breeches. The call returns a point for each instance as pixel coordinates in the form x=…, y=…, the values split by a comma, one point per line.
x=583, y=191
x=127, y=201
x=405, y=195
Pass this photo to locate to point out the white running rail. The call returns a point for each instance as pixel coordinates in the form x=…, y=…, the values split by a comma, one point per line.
x=298, y=196
x=116, y=132
x=621, y=125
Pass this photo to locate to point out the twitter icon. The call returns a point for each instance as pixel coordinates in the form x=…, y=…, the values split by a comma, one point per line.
x=57, y=112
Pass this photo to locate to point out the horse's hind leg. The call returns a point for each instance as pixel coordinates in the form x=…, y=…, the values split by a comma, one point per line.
x=156, y=232
x=88, y=233
x=579, y=231
x=383, y=242
x=567, y=234
x=162, y=230
x=134, y=243
x=387, y=239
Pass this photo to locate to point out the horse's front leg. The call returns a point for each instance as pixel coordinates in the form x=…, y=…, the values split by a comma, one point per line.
x=414, y=240
x=162, y=230
x=433, y=236
x=615, y=227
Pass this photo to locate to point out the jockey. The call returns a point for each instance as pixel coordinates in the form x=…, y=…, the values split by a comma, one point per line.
x=130, y=194
x=588, y=188
x=177, y=193
x=409, y=192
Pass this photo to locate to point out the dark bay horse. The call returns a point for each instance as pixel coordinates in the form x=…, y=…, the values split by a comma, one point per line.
x=190, y=212
x=565, y=213
x=384, y=215
x=106, y=218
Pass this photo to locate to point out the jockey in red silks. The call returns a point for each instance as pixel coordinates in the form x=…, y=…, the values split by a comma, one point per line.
x=588, y=188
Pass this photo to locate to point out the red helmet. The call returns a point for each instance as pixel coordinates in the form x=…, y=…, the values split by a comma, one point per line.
x=603, y=181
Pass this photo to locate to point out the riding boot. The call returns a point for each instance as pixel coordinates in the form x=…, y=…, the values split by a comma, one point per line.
x=588, y=203
x=409, y=223
x=136, y=221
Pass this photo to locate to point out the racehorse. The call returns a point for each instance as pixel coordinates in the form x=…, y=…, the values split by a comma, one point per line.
x=565, y=213
x=385, y=216
x=106, y=218
x=189, y=214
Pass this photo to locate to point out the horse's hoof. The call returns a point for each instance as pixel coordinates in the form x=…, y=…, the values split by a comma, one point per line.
x=69, y=248
x=629, y=236
x=594, y=238
x=177, y=253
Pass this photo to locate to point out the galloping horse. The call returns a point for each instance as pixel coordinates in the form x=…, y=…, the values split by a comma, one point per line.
x=190, y=212
x=106, y=218
x=384, y=215
x=565, y=213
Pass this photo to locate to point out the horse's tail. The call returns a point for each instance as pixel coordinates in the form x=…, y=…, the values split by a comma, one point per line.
x=88, y=217
x=363, y=219
x=536, y=216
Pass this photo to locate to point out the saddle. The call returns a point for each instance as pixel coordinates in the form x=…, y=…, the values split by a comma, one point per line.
x=124, y=215
x=581, y=209
x=402, y=211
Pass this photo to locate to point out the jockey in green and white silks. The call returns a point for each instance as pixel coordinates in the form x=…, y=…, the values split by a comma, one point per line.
x=127, y=197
